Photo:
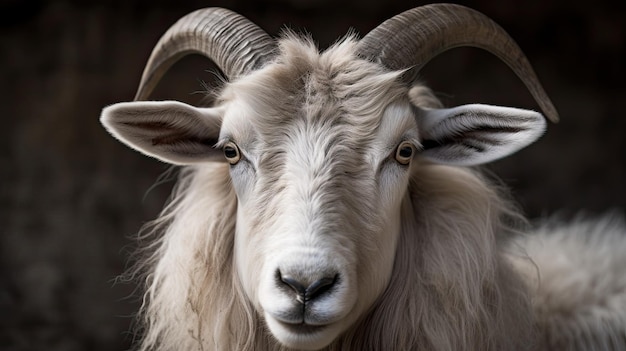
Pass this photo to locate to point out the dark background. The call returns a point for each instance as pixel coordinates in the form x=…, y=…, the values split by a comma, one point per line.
x=72, y=196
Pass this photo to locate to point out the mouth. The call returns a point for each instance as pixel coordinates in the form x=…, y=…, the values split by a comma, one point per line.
x=303, y=336
x=302, y=328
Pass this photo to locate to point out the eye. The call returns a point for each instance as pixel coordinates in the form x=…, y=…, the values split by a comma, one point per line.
x=231, y=152
x=404, y=153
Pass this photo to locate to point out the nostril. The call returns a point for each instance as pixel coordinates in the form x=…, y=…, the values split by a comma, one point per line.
x=293, y=284
x=318, y=287
x=310, y=292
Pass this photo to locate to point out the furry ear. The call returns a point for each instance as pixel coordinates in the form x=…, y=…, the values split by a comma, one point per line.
x=471, y=135
x=171, y=131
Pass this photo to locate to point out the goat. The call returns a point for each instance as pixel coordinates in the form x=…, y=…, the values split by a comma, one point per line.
x=327, y=201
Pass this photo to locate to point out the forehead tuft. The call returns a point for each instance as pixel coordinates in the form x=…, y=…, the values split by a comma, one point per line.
x=303, y=83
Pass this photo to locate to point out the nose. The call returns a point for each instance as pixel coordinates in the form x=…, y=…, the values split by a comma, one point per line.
x=305, y=291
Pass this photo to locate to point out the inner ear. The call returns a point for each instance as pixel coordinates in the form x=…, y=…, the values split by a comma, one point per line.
x=476, y=134
x=170, y=131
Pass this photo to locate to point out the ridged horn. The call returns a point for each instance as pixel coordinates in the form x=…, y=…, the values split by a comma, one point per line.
x=414, y=37
x=231, y=41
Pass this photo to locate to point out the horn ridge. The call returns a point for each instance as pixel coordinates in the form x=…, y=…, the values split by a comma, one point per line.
x=231, y=41
x=411, y=39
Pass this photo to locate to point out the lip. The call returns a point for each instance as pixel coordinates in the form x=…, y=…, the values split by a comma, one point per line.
x=302, y=328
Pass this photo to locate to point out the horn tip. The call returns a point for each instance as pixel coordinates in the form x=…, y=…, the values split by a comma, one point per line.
x=551, y=113
x=552, y=116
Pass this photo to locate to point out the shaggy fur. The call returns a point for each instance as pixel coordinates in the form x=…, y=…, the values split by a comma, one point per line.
x=578, y=283
x=459, y=282
x=432, y=301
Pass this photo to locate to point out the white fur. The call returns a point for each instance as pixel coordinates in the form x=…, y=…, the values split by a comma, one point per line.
x=579, y=293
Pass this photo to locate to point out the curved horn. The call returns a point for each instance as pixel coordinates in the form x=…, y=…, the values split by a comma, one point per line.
x=235, y=44
x=412, y=38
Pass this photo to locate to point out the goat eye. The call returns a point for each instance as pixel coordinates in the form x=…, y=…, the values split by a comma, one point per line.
x=231, y=152
x=404, y=153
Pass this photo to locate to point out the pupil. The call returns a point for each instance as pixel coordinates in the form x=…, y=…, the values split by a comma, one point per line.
x=406, y=151
x=230, y=152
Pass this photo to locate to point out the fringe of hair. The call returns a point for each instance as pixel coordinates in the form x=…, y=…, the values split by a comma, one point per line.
x=451, y=289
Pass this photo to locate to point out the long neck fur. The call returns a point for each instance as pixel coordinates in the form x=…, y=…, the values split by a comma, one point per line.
x=450, y=290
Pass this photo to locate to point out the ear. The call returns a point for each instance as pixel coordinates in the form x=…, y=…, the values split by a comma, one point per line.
x=470, y=135
x=171, y=131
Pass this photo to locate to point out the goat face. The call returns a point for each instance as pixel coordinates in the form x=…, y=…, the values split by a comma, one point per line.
x=319, y=181
x=321, y=148
x=317, y=223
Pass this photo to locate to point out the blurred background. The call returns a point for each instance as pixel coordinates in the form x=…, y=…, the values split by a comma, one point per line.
x=72, y=197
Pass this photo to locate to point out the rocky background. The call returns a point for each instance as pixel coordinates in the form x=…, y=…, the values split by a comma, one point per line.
x=72, y=197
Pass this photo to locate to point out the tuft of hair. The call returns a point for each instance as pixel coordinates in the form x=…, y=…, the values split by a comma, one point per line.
x=578, y=293
x=188, y=268
x=451, y=288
